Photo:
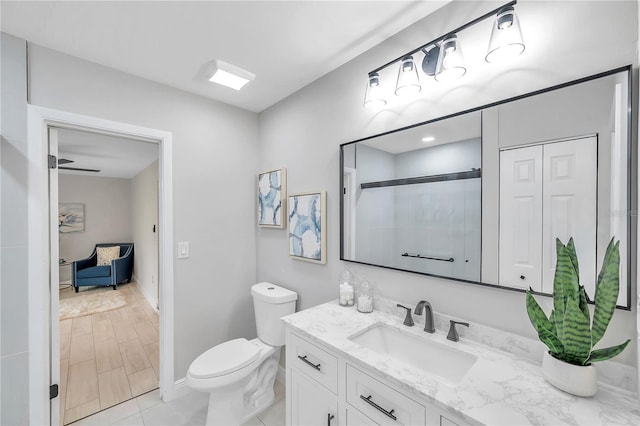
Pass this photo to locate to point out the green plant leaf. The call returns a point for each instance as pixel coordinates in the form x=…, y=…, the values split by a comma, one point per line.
x=565, y=286
x=573, y=256
x=607, y=353
x=544, y=327
x=584, y=307
x=607, y=289
x=577, y=332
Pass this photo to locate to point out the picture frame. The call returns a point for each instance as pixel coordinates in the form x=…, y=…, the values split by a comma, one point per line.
x=272, y=198
x=307, y=218
x=70, y=217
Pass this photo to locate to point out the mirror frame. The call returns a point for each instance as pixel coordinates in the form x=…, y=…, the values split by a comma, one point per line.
x=632, y=186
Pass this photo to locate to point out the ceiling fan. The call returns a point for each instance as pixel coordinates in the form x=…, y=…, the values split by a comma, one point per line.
x=62, y=161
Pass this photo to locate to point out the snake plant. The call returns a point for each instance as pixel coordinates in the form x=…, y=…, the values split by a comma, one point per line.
x=569, y=332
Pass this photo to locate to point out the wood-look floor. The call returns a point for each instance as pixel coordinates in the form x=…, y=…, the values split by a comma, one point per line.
x=109, y=357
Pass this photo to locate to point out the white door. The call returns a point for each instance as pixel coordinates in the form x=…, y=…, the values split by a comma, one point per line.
x=349, y=213
x=570, y=206
x=521, y=218
x=54, y=272
x=311, y=404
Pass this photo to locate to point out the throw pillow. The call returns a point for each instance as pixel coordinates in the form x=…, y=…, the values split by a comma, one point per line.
x=107, y=254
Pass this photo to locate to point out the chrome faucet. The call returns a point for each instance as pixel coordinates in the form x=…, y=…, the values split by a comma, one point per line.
x=428, y=315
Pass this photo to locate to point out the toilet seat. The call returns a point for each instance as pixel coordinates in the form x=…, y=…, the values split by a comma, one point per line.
x=224, y=359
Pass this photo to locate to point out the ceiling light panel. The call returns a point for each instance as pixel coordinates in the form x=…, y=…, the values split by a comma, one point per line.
x=231, y=76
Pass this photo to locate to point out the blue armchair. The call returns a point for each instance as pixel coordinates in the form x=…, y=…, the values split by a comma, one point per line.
x=85, y=272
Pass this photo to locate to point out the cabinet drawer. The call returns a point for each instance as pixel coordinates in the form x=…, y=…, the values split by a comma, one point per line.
x=381, y=403
x=315, y=362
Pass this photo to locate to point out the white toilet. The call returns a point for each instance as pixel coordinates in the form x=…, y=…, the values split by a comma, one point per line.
x=239, y=374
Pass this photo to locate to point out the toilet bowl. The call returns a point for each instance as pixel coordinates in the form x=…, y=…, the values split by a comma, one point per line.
x=239, y=374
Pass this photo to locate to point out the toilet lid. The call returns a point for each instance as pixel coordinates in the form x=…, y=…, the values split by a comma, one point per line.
x=224, y=358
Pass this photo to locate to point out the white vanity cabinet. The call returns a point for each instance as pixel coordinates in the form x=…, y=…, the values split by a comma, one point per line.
x=325, y=389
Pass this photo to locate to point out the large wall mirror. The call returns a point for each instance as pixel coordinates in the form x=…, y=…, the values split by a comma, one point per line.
x=481, y=196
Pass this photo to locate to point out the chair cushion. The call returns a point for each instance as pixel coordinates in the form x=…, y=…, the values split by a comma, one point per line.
x=107, y=254
x=94, y=272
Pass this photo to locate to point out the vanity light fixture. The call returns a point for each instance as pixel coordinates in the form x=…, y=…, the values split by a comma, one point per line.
x=408, y=81
x=443, y=57
x=231, y=76
x=450, y=60
x=373, y=95
x=506, y=37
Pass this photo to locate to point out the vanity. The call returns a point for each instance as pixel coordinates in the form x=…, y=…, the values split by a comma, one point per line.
x=348, y=368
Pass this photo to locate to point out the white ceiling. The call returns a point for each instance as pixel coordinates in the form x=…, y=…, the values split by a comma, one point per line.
x=113, y=156
x=287, y=44
x=455, y=129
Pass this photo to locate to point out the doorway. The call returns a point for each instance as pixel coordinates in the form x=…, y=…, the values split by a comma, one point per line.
x=44, y=256
x=109, y=335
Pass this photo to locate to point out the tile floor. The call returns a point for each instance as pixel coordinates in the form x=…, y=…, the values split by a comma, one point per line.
x=188, y=408
x=107, y=358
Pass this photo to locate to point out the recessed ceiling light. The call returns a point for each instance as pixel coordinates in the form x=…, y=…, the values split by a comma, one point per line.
x=428, y=139
x=231, y=76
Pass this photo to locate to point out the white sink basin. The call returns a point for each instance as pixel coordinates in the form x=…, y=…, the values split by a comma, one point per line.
x=419, y=352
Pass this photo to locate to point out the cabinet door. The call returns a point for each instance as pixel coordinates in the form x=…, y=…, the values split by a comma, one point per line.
x=311, y=404
x=521, y=218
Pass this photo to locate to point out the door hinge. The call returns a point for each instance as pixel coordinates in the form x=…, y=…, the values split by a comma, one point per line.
x=53, y=391
x=53, y=162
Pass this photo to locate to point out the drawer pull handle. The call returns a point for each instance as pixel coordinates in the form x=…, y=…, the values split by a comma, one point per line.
x=377, y=407
x=329, y=418
x=304, y=358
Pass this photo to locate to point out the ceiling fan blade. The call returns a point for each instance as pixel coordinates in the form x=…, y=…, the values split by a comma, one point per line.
x=79, y=169
x=64, y=161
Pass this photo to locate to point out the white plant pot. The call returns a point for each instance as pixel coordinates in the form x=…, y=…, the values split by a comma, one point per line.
x=574, y=379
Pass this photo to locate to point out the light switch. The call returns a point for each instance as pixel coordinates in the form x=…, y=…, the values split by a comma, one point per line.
x=183, y=250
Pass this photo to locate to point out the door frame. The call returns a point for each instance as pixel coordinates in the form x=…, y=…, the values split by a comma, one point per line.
x=39, y=256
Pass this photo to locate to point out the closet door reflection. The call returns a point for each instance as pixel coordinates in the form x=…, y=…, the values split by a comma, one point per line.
x=547, y=191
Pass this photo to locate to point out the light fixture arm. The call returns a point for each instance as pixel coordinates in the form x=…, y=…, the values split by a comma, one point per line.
x=489, y=14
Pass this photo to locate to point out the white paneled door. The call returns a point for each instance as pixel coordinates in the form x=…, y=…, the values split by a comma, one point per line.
x=569, y=206
x=521, y=218
x=546, y=192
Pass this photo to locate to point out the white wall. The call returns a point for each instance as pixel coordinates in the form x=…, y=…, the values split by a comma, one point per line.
x=214, y=167
x=144, y=217
x=14, y=309
x=107, y=214
x=565, y=41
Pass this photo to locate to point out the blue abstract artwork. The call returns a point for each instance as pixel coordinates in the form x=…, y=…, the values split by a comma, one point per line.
x=70, y=217
x=271, y=193
x=307, y=222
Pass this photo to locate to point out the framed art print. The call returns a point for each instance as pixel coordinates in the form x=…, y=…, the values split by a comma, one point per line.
x=307, y=226
x=70, y=217
x=272, y=194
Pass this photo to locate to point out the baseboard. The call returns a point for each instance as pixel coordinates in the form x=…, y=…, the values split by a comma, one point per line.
x=180, y=388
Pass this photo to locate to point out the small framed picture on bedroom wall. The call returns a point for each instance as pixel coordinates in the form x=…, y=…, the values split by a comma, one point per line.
x=272, y=196
x=307, y=226
x=70, y=217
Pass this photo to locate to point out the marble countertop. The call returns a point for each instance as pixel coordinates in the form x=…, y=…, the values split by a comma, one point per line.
x=500, y=389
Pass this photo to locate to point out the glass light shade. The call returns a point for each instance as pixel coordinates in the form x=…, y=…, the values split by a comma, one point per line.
x=373, y=96
x=408, y=81
x=506, y=37
x=450, y=60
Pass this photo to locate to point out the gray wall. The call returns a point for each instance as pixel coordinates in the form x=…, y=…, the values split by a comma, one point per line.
x=564, y=41
x=107, y=214
x=14, y=355
x=144, y=216
x=214, y=165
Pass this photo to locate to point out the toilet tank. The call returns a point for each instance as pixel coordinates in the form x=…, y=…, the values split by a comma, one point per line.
x=270, y=303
